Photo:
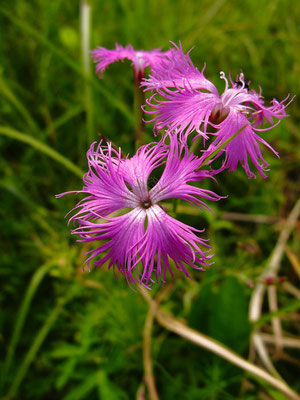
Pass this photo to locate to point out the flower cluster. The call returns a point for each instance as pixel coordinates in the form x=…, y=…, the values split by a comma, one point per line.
x=128, y=214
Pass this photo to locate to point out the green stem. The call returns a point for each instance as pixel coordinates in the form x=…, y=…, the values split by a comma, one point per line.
x=67, y=116
x=33, y=286
x=42, y=147
x=292, y=306
x=68, y=61
x=139, y=100
x=221, y=147
x=37, y=343
x=85, y=28
x=6, y=91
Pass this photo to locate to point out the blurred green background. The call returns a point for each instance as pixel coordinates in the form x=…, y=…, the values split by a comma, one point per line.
x=71, y=335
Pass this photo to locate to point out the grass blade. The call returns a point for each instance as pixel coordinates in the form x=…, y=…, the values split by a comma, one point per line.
x=42, y=147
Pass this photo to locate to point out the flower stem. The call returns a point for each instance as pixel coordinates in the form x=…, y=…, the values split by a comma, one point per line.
x=139, y=99
x=37, y=343
x=33, y=286
x=212, y=345
x=85, y=28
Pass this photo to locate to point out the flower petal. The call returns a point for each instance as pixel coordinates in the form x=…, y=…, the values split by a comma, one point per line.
x=183, y=110
x=243, y=146
x=123, y=236
x=137, y=169
x=176, y=70
x=140, y=58
x=180, y=168
x=105, y=185
x=165, y=239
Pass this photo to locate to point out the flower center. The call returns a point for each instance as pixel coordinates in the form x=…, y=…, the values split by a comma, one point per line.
x=218, y=114
x=145, y=204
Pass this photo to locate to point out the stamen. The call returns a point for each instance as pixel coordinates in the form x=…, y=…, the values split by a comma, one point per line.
x=222, y=76
x=233, y=92
x=242, y=80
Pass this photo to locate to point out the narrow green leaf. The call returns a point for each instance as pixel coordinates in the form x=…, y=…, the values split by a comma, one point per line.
x=7, y=92
x=36, y=345
x=221, y=147
x=21, y=24
x=42, y=147
x=21, y=317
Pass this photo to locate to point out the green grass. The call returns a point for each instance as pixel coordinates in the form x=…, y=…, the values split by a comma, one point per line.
x=72, y=335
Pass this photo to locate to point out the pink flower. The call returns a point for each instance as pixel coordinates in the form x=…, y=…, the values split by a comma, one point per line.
x=140, y=58
x=191, y=103
x=141, y=240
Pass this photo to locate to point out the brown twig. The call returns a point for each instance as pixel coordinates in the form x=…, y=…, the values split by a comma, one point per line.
x=292, y=342
x=148, y=367
x=255, y=218
x=293, y=260
x=276, y=324
x=270, y=271
x=173, y=325
x=291, y=289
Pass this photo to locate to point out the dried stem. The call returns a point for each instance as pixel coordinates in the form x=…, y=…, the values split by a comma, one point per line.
x=263, y=354
x=293, y=260
x=286, y=341
x=276, y=324
x=215, y=347
x=291, y=289
x=148, y=368
x=255, y=218
x=271, y=269
x=273, y=265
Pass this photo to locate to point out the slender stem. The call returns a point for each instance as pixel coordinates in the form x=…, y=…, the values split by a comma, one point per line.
x=64, y=118
x=148, y=368
x=273, y=265
x=112, y=98
x=37, y=343
x=276, y=323
x=42, y=147
x=293, y=260
x=22, y=314
x=263, y=354
x=271, y=269
x=255, y=218
x=293, y=305
x=288, y=287
x=219, y=349
x=7, y=92
x=293, y=342
x=216, y=347
x=139, y=100
x=85, y=29
x=220, y=147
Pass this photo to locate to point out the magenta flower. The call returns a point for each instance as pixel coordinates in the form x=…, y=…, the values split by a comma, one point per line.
x=191, y=103
x=140, y=58
x=140, y=238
